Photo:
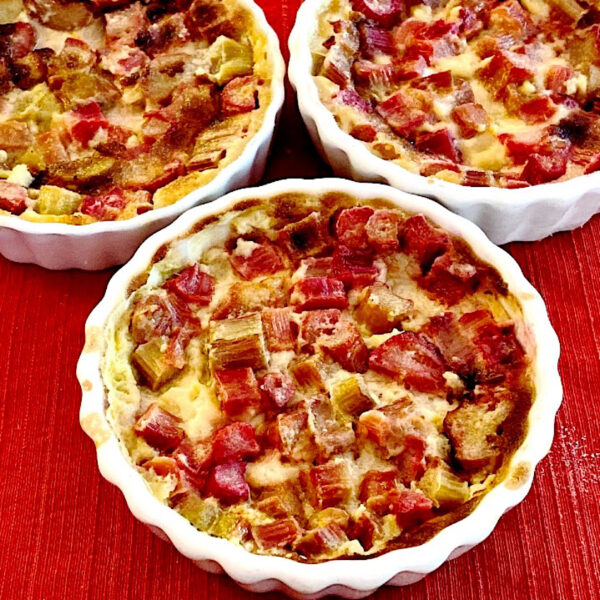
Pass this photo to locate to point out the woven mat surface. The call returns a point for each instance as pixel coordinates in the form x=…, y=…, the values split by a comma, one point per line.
x=66, y=533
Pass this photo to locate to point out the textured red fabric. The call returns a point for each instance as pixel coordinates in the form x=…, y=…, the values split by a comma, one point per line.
x=66, y=533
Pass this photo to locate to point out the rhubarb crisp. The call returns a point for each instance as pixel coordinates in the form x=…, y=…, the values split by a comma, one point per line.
x=111, y=108
x=313, y=377
x=475, y=92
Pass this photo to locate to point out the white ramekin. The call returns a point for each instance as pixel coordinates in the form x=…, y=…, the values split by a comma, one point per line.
x=350, y=579
x=103, y=244
x=524, y=214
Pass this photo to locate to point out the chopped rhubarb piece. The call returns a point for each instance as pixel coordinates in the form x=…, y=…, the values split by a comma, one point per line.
x=505, y=68
x=354, y=268
x=157, y=362
x=376, y=483
x=291, y=436
x=498, y=343
x=16, y=39
x=440, y=142
x=13, y=197
x=105, y=207
x=327, y=485
x=237, y=389
x=277, y=389
x=279, y=329
x=192, y=284
x=556, y=77
x=375, y=40
x=441, y=81
x=331, y=437
x=382, y=231
x=471, y=119
x=240, y=95
x=350, y=97
x=309, y=373
x=281, y=533
x=317, y=267
x=234, y=442
x=350, y=227
x=542, y=169
x=411, y=508
x=336, y=66
x=383, y=12
x=350, y=396
x=195, y=459
x=238, y=342
x=451, y=278
x=307, y=237
x=322, y=541
x=317, y=323
x=319, y=292
x=453, y=342
x=537, y=110
x=510, y=19
x=470, y=25
x=411, y=462
x=412, y=359
x=159, y=428
x=252, y=260
x=521, y=146
x=347, y=347
x=423, y=241
x=381, y=310
x=403, y=113
x=156, y=315
x=228, y=484
x=86, y=121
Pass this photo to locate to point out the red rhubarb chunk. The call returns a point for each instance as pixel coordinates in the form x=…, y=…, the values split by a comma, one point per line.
x=277, y=389
x=376, y=40
x=350, y=97
x=439, y=142
x=17, y=39
x=441, y=81
x=279, y=534
x=279, y=329
x=192, y=284
x=227, y=483
x=521, y=146
x=556, y=77
x=376, y=483
x=85, y=122
x=403, y=113
x=542, y=169
x=471, y=119
x=317, y=323
x=240, y=95
x=382, y=231
x=327, y=485
x=347, y=347
x=260, y=259
x=195, y=460
x=505, y=68
x=317, y=267
x=423, y=241
x=411, y=461
x=319, y=292
x=13, y=197
x=104, y=207
x=412, y=359
x=411, y=508
x=159, y=428
x=354, y=268
x=235, y=442
x=536, y=110
x=237, y=389
x=350, y=227
x=450, y=278
x=383, y=12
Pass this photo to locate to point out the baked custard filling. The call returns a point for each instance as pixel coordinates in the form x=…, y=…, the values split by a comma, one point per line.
x=315, y=377
x=479, y=93
x=111, y=108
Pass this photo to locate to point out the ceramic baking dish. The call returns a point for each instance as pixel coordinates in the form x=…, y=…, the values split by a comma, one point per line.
x=106, y=243
x=360, y=577
x=505, y=215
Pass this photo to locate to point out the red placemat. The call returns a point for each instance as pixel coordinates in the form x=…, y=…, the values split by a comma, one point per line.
x=66, y=533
